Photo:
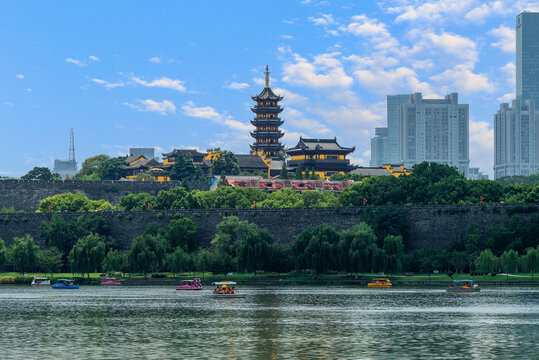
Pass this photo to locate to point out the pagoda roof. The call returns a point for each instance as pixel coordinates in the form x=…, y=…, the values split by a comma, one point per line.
x=320, y=145
x=267, y=94
x=193, y=152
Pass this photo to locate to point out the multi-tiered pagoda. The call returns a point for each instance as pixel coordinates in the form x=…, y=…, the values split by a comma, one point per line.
x=267, y=122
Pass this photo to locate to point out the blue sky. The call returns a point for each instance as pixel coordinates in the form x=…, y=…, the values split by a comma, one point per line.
x=180, y=74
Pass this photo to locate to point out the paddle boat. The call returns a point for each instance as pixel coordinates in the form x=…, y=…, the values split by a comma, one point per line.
x=463, y=286
x=380, y=283
x=66, y=284
x=226, y=290
x=40, y=281
x=190, y=285
x=109, y=281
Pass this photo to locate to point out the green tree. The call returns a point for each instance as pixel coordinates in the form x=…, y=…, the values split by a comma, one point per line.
x=316, y=249
x=112, y=262
x=230, y=232
x=183, y=233
x=91, y=165
x=3, y=254
x=72, y=202
x=147, y=253
x=135, y=202
x=357, y=248
x=510, y=262
x=226, y=163
x=144, y=176
x=184, y=169
x=111, y=169
x=50, y=260
x=299, y=172
x=59, y=233
x=394, y=249
x=254, y=250
x=41, y=173
x=87, y=255
x=486, y=261
x=284, y=171
x=24, y=254
x=178, y=198
x=530, y=260
x=204, y=260
x=178, y=261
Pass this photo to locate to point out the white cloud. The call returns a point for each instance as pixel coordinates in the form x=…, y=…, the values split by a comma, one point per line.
x=237, y=86
x=463, y=80
x=209, y=113
x=155, y=60
x=430, y=11
x=108, y=84
x=506, y=39
x=163, y=82
x=162, y=107
x=75, y=61
x=324, y=72
x=298, y=120
x=507, y=98
x=392, y=81
x=324, y=19
x=19, y=76
x=456, y=46
x=291, y=97
x=287, y=37
x=376, y=32
x=7, y=103
x=94, y=58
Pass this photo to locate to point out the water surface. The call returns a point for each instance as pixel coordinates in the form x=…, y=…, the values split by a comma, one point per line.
x=270, y=323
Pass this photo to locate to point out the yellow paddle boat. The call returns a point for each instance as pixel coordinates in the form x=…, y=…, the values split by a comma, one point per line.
x=380, y=283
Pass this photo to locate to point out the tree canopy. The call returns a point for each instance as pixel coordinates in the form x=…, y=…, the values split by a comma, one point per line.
x=41, y=173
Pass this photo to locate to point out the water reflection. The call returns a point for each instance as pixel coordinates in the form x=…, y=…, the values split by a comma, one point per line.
x=270, y=323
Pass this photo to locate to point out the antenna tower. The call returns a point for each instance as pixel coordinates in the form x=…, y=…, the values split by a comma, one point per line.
x=72, y=147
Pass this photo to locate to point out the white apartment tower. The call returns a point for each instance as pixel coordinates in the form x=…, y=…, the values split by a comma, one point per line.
x=434, y=130
x=516, y=130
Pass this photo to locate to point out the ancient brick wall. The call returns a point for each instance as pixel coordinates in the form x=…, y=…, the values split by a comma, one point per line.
x=428, y=226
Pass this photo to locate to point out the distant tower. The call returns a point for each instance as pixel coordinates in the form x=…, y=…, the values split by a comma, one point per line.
x=267, y=122
x=67, y=169
x=72, y=147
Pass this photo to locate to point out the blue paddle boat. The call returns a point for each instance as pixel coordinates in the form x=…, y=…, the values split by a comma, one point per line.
x=463, y=286
x=65, y=284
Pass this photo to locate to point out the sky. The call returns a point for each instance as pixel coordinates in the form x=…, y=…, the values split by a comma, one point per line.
x=180, y=74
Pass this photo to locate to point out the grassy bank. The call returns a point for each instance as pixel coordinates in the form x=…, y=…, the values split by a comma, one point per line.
x=273, y=278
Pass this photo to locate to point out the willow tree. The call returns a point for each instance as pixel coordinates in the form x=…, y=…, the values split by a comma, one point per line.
x=87, y=254
x=254, y=250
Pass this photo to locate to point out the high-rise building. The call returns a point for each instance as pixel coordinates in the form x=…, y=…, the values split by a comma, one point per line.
x=393, y=103
x=516, y=130
x=379, y=147
x=516, y=148
x=148, y=153
x=434, y=130
x=527, y=67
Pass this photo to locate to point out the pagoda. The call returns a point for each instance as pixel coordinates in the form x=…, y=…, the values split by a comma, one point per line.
x=267, y=122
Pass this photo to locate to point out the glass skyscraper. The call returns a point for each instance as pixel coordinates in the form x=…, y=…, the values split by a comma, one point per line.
x=527, y=36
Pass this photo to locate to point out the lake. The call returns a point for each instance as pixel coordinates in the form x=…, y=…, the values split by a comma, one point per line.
x=303, y=322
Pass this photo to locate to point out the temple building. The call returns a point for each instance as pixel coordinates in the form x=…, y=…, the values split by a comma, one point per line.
x=267, y=122
x=323, y=156
x=138, y=164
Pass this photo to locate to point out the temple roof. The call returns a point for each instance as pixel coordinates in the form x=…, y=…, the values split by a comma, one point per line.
x=320, y=145
x=193, y=152
x=133, y=158
x=371, y=171
x=142, y=164
x=250, y=161
x=267, y=94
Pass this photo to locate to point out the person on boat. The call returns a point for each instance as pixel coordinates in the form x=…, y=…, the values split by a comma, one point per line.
x=233, y=289
x=71, y=283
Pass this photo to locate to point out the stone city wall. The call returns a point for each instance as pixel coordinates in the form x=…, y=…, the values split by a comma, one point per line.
x=26, y=195
x=428, y=226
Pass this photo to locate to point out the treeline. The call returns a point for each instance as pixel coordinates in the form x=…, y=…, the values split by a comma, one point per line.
x=84, y=245
x=430, y=183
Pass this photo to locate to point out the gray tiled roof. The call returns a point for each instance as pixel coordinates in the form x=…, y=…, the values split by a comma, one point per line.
x=250, y=161
x=371, y=171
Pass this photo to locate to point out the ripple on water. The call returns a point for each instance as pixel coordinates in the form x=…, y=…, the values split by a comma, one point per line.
x=305, y=322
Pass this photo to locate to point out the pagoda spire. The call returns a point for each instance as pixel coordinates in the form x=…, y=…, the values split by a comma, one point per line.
x=267, y=76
